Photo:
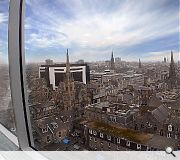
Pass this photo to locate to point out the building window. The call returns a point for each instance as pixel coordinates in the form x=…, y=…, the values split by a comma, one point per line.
x=128, y=143
x=94, y=133
x=138, y=146
x=149, y=125
x=118, y=148
x=90, y=131
x=90, y=138
x=170, y=128
x=109, y=144
x=59, y=134
x=176, y=137
x=7, y=117
x=169, y=135
x=148, y=149
x=44, y=130
x=108, y=137
x=161, y=132
x=48, y=139
x=95, y=147
x=41, y=92
x=114, y=119
x=118, y=140
x=101, y=135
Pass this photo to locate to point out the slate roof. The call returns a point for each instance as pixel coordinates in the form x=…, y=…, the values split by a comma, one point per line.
x=154, y=102
x=161, y=113
x=162, y=142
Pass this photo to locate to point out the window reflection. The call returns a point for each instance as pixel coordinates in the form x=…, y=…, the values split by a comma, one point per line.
x=6, y=108
x=113, y=87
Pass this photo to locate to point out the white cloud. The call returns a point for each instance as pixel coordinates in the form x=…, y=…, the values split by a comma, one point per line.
x=125, y=26
x=91, y=31
x=158, y=56
x=3, y=18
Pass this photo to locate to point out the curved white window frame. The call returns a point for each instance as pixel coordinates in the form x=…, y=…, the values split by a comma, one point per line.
x=17, y=73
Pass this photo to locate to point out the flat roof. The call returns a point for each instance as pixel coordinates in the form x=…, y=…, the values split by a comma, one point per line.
x=99, y=105
x=63, y=65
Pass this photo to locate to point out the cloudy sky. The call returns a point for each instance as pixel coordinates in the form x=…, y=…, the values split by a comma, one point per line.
x=91, y=29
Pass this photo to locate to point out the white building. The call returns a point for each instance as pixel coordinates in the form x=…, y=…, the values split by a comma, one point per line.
x=54, y=74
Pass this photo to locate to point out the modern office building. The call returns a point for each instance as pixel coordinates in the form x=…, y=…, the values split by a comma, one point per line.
x=54, y=74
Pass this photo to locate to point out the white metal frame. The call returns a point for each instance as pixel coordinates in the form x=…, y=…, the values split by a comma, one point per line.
x=9, y=135
x=17, y=73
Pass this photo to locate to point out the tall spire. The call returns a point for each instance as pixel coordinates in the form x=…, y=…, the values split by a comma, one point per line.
x=67, y=66
x=112, y=67
x=140, y=63
x=112, y=57
x=172, y=72
x=165, y=60
x=172, y=58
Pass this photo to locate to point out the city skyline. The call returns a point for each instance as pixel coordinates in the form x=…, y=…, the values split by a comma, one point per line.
x=91, y=30
x=99, y=75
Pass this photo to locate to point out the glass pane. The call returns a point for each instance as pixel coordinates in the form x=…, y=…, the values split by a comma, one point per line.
x=101, y=74
x=6, y=109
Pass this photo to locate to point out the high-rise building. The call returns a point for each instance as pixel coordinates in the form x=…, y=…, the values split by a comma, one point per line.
x=56, y=73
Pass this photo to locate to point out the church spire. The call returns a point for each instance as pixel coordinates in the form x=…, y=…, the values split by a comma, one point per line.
x=68, y=92
x=67, y=66
x=140, y=66
x=172, y=58
x=112, y=57
x=172, y=72
x=112, y=67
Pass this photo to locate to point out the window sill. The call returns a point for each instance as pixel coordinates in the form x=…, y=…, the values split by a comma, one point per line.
x=9, y=141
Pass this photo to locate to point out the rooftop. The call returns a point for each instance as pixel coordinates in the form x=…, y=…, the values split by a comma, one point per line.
x=119, y=109
x=132, y=135
x=99, y=105
x=63, y=65
x=162, y=142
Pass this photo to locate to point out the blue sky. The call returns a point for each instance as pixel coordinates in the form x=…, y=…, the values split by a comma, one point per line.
x=91, y=29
